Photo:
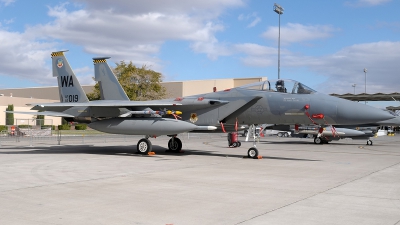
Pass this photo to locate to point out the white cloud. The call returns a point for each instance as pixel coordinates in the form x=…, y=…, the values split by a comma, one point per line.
x=341, y=69
x=255, y=19
x=361, y=3
x=25, y=58
x=345, y=68
x=124, y=30
x=204, y=9
x=255, y=49
x=7, y=2
x=137, y=31
x=294, y=32
x=254, y=22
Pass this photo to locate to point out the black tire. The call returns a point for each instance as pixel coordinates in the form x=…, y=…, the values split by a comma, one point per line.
x=252, y=152
x=286, y=135
x=369, y=142
x=279, y=134
x=234, y=144
x=144, y=146
x=318, y=140
x=175, y=145
x=239, y=143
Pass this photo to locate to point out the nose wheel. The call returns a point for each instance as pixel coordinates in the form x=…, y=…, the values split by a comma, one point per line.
x=252, y=153
x=369, y=142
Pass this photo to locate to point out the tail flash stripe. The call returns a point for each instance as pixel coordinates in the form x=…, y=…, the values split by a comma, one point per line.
x=53, y=54
x=95, y=61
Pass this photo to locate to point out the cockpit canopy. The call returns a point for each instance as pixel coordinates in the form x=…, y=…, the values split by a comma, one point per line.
x=284, y=86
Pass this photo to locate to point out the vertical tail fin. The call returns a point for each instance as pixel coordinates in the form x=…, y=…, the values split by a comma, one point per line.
x=110, y=88
x=68, y=85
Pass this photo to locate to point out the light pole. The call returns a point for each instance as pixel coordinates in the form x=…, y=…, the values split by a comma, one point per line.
x=354, y=86
x=278, y=9
x=365, y=71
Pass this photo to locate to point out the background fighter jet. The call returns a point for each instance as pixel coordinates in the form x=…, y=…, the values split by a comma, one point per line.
x=355, y=131
x=276, y=102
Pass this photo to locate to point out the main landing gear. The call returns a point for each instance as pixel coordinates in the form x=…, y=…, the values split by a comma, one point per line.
x=144, y=145
x=174, y=144
x=321, y=140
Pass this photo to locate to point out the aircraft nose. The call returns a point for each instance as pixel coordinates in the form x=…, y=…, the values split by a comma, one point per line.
x=356, y=113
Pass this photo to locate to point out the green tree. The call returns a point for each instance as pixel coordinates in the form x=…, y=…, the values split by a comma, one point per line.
x=40, y=119
x=10, y=116
x=139, y=83
x=95, y=94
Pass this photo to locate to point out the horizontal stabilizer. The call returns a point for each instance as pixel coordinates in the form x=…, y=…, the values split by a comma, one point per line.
x=45, y=113
x=105, y=103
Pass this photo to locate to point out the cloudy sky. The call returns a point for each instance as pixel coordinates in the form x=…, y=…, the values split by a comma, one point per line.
x=324, y=44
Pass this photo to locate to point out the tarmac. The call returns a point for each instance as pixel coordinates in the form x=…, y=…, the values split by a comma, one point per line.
x=296, y=182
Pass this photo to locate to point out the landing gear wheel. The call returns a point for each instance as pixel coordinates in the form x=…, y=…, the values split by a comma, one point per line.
x=175, y=145
x=369, y=142
x=317, y=140
x=144, y=146
x=252, y=153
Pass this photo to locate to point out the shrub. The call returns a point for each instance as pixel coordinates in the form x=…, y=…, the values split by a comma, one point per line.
x=24, y=126
x=48, y=126
x=64, y=127
x=10, y=116
x=81, y=126
x=3, y=127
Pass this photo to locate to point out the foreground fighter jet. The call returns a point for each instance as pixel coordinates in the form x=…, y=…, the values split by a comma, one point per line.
x=274, y=102
x=287, y=102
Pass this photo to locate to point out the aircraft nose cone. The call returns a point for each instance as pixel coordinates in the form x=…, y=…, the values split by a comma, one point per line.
x=356, y=113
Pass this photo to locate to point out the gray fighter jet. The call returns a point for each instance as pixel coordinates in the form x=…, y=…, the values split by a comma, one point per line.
x=329, y=133
x=274, y=102
x=281, y=101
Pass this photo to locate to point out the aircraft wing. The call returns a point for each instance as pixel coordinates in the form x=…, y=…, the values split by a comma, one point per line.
x=128, y=104
x=45, y=113
x=238, y=107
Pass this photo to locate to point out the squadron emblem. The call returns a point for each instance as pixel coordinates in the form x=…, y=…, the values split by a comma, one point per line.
x=60, y=63
x=193, y=117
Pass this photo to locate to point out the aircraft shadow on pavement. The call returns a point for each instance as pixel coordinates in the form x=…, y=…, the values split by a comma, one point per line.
x=128, y=151
x=308, y=142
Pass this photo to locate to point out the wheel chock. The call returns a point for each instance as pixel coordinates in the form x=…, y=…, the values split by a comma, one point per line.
x=151, y=153
x=247, y=157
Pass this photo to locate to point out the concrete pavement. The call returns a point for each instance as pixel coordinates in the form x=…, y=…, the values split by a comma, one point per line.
x=297, y=182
